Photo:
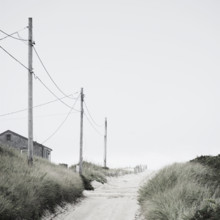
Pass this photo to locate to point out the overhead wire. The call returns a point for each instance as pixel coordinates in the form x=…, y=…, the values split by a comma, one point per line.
x=95, y=129
x=11, y=35
x=92, y=122
x=14, y=58
x=38, y=116
x=39, y=58
x=24, y=42
x=57, y=98
x=59, y=127
x=36, y=77
x=98, y=125
x=36, y=106
x=53, y=115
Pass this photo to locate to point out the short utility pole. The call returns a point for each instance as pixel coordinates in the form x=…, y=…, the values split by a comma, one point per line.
x=30, y=94
x=105, y=144
x=81, y=134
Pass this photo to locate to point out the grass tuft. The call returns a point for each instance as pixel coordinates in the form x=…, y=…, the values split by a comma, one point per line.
x=94, y=172
x=27, y=192
x=178, y=192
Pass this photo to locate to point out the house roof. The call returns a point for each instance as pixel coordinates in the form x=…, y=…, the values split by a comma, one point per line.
x=12, y=132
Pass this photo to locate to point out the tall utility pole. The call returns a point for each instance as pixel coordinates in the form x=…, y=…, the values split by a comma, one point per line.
x=105, y=143
x=81, y=134
x=30, y=94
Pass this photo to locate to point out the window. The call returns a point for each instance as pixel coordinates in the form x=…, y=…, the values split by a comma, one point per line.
x=47, y=154
x=8, y=137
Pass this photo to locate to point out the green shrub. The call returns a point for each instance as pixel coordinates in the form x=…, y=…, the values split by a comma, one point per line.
x=211, y=210
x=87, y=183
x=207, y=213
x=213, y=162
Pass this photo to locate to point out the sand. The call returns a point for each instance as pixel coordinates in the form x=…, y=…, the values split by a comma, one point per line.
x=115, y=200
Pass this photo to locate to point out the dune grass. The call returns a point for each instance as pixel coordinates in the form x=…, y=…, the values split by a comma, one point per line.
x=213, y=162
x=181, y=192
x=27, y=192
x=99, y=173
x=94, y=172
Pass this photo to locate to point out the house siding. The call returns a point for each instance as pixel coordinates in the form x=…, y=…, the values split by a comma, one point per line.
x=15, y=141
x=21, y=143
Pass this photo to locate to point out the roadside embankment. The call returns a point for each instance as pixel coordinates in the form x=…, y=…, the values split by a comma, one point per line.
x=28, y=192
x=185, y=191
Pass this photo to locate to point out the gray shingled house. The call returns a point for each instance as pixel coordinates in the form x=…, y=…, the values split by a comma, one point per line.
x=12, y=139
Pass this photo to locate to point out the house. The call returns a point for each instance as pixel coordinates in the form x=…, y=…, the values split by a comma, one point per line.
x=20, y=142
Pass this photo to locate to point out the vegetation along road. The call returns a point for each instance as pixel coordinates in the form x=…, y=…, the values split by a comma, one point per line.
x=115, y=200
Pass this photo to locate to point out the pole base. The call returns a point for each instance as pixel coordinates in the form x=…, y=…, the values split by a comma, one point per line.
x=30, y=161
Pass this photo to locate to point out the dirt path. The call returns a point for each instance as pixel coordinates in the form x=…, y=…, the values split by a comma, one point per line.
x=115, y=200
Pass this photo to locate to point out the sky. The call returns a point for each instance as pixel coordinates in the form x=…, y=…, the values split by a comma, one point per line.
x=151, y=67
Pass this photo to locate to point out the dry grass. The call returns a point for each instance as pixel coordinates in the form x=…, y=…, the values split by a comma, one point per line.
x=96, y=172
x=177, y=192
x=27, y=192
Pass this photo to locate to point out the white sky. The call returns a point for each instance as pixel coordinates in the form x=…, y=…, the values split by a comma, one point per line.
x=151, y=67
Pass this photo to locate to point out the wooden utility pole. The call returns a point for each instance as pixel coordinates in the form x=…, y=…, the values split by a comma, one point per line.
x=81, y=134
x=30, y=94
x=105, y=144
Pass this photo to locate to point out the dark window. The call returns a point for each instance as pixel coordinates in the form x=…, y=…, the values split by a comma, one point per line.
x=8, y=137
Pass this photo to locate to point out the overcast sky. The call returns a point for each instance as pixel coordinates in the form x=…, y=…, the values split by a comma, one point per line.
x=151, y=67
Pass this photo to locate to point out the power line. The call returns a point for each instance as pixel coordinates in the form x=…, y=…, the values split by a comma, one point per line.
x=53, y=93
x=36, y=77
x=36, y=106
x=59, y=127
x=95, y=129
x=24, y=42
x=53, y=115
x=38, y=116
x=14, y=58
x=47, y=71
x=55, y=101
x=11, y=35
x=98, y=125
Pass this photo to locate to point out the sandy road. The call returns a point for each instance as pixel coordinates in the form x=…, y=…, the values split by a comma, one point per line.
x=115, y=200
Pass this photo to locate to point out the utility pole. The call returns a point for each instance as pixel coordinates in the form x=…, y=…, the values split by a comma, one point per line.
x=30, y=94
x=105, y=143
x=81, y=134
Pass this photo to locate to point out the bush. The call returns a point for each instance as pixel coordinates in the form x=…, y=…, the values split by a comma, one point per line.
x=87, y=183
x=213, y=162
x=211, y=210
x=207, y=213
